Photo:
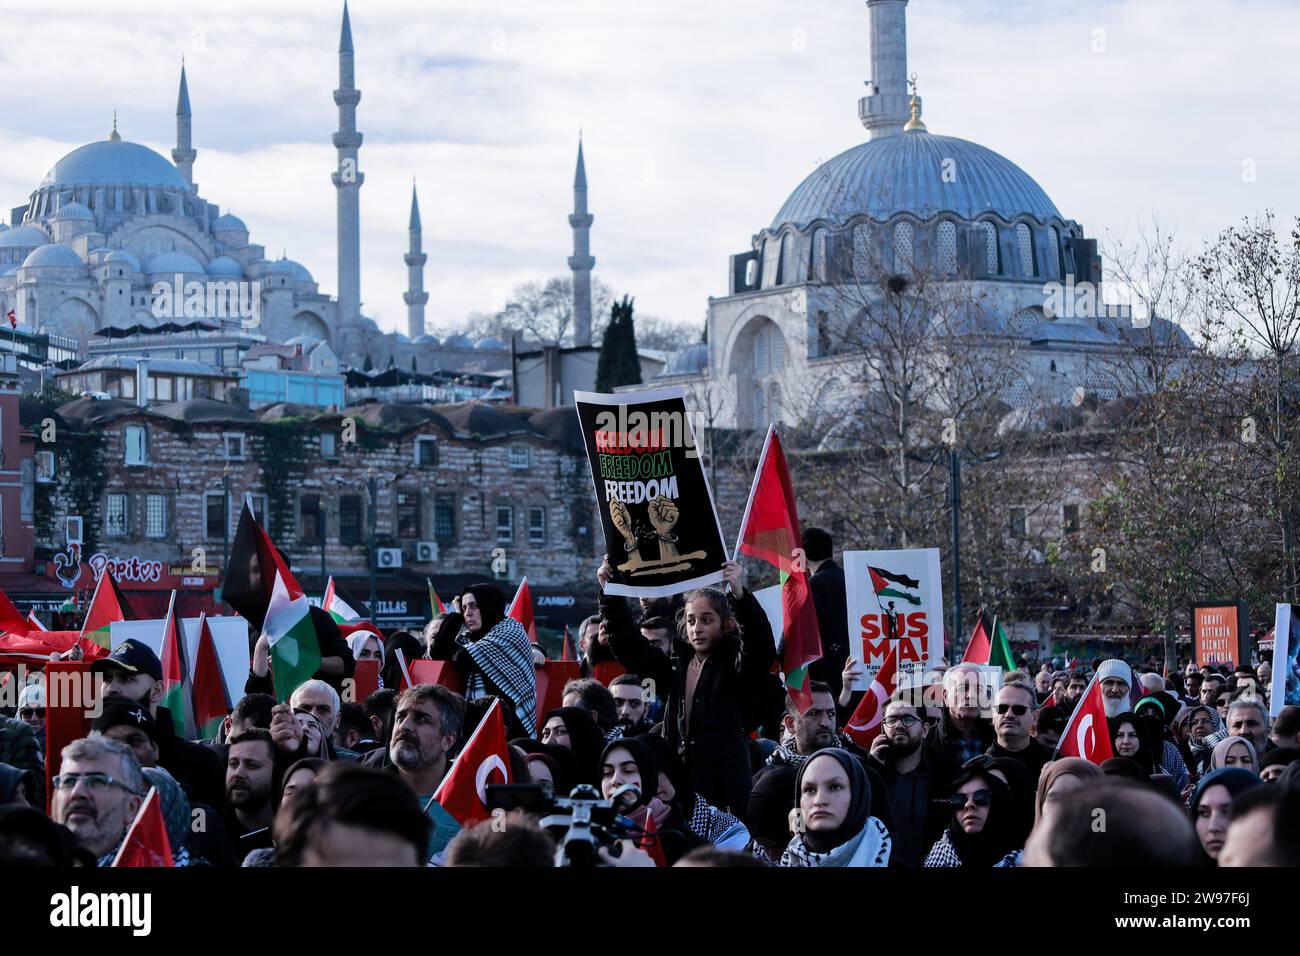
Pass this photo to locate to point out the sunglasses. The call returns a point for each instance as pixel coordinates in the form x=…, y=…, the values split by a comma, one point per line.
x=981, y=798
x=27, y=713
x=1018, y=709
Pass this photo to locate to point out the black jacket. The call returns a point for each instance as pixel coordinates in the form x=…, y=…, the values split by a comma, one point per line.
x=715, y=750
x=1032, y=757
x=947, y=739
x=918, y=820
x=199, y=768
x=831, y=601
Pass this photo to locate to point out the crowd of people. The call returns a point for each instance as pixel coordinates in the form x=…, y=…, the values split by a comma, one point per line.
x=701, y=753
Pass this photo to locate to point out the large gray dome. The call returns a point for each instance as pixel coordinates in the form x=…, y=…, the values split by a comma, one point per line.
x=114, y=163
x=919, y=173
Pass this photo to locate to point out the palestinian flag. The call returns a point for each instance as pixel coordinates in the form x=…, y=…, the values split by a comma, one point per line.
x=108, y=605
x=12, y=620
x=770, y=532
x=887, y=584
x=989, y=645
x=255, y=567
x=977, y=648
x=211, y=703
x=336, y=607
x=295, y=651
x=435, y=603
x=521, y=609
x=177, y=692
x=567, y=652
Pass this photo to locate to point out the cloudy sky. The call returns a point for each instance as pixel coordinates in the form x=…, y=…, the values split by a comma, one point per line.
x=699, y=118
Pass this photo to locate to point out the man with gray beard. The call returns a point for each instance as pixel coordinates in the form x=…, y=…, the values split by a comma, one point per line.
x=427, y=726
x=97, y=793
x=1116, y=679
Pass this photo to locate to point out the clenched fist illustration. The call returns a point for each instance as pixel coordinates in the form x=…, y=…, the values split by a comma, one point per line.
x=663, y=516
x=618, y=513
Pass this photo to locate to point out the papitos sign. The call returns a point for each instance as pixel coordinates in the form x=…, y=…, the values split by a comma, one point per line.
x=133, y=570
x=895, y=598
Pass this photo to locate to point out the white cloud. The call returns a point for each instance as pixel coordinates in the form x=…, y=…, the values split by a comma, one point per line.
x=699, y=119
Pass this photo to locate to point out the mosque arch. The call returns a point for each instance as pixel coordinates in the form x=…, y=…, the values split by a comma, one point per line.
x=307, y=322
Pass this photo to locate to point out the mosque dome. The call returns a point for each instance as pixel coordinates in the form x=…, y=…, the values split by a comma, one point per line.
x=228, y=223
x=172, y=262
x=491, y=342
x=427, y=339
x=287, y=267
x=53, y=256
x=458, y=342
x=121, y=255
x=226, y=268
x=691, y=360
x=73, y=212
x=916, y=172
x=115, y=162
x=23, y=237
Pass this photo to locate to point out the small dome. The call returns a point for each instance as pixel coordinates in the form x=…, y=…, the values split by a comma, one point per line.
x=172, y=262
x=23, y=237
x=53, y=256
x=124, y=257
x=402, y=337
x=225, y=267
x=228, y=223
x=73, y=212
x=691, y=360
x=491, y=342
x=295, y=270
x=458, y=342
x=427, y=339
x=10, y=270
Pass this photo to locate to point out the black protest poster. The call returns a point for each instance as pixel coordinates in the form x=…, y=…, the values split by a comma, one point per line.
x=661, y=528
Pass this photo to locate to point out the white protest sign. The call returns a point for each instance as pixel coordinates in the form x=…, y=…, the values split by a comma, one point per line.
x=229, y=637
x=895, y=597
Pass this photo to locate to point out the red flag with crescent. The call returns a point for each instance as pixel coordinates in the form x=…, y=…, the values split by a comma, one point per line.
x=1087, y=734
x=865, y=724
x=484, y=760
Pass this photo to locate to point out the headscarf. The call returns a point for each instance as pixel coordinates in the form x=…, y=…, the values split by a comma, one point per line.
x=357, y=641
x=586, y=742
x=314, y=764
x=1220, y=753
x=11, y=779
x=390, y=672
x=855, y=819
x=566, y=772
x=670, y=764
x=175, y=808
x=1202, y=747
x=997, y=839
x=1125, y=767
x=1234, y=779
x=1147, y=754
x=1021, y=785
x=491, y=606
x=1085, y=770
x=648, y=805
x=536, y=756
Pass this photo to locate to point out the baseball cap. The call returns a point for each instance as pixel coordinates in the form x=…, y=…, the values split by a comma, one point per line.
x=131, y=656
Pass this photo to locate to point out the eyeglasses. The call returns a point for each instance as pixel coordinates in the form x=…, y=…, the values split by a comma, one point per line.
x=907, y=720
x=1018, y=709
x=27, y=713
x=981, y=798
x=97, y=782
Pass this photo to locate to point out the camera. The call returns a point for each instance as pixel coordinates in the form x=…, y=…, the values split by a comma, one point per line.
x=582, y=822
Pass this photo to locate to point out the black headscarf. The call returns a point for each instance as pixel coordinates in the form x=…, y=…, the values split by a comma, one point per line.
x=859, y=803
x=1023, y=789
x=409, y=645
x=670, y=764
x=585, y=740
x=1150, y=734
x=491, y=605
x=1125, y=767
x=997, y=839
x=646, y=764
x=567, y=778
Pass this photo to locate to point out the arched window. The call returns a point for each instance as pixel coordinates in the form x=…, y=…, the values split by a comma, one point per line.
x=861, y=251
x=818, y=271
x=789, y=268
x=990, y=248
x=902, y=246
x=1054, y=254
x=771, y=261
x=1025, y=244
x=751, y=273
x=947, y=248
x=1025, y=321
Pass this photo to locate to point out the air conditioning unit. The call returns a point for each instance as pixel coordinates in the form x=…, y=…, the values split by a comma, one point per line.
x=511, y=573
x=426, y=552
x=388, y=558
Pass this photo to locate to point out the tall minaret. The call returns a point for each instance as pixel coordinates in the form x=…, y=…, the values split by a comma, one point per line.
x=347, y=181
x=887, y=105
x=581, y=261
x=415, y=295
x=184, y=154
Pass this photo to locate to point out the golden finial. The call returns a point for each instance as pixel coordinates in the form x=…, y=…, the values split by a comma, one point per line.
x=915, y=124
x=113, y=137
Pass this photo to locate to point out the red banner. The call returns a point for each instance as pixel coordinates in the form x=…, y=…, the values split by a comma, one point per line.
x=69, y=712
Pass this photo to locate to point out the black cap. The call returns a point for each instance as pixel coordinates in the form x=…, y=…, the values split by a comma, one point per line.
x=118, y=710
x=131, y=656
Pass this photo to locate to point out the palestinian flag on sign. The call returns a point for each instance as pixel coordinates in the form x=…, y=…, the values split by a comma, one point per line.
x=178, y=694
x=770, y=532
x=888, y=584
x=255, y=567
x=295, y=651
x=108, y=605
x=211, y=702
x=336, y=607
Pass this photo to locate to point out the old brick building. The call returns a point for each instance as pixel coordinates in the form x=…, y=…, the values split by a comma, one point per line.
x=158, y=492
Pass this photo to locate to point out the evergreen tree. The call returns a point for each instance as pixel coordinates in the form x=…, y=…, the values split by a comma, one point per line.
x=618, y=363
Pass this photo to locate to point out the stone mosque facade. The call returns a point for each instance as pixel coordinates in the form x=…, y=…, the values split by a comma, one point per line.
x=904, y=200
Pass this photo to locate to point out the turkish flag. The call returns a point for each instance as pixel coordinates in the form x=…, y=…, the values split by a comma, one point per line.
x=865, y=724
x=1087, y=734
x=485, y=759
x=650, y=841
x=146, y=843
x=521, y=609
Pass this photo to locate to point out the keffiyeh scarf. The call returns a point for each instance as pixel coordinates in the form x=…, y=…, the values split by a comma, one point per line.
x=503, y=657
x=871, y=847
x=717, y=826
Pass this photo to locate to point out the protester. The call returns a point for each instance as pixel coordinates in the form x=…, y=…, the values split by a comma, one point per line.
x=629, y=777
x=1074, y=690
x=979, y=830
x=1205, y=731
x=593, y=696
x=17, y=787
x=97, y=793
x=130, y=725
x=31, y=711
x=352, y=731
x=574, y=729
x=837, y=828
x=176, y=815
x=1131, y=737
x=252, y=780
x=1264, y=829
x=1014, y=721
x=705, y=821
x=28, y=838
x=659, y=631
x=1116, y=679
x=400, y=647
x=517, y=840
x=631, y=704
x=1235, y=752
x=831, y=603
x=1142, y=829
x=1276, y=761
x=252, y=710
x=914, y=775
x=336, y=663
x=1286, y=727
x=1249, y=719
x=1061, y=777
x=962, y=732
x=367, y=646
x=1211, y=807
x=1048, y=727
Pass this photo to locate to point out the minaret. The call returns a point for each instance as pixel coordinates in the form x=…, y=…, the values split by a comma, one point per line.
x=183, y=155
x=886, y=107
x=581, y=261
x=347, y=181
x=415, y=295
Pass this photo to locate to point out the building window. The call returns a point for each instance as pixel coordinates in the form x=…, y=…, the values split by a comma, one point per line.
x=27, y=500
x=1017, y=522
x=234, y=447
x=137, y=445
x=215, y=515
x=350, y=519
x=818, y=271
x=328, y=445
x=990, y=248
x=1054, y=255
x=903, y=246
x=505, y=524
x=155, y=516
x=948, y=248
x=45, y=466
x=1070, y=519
x=426, y=453
x=1025, y=243
x=771, y=261
x=789, y=273
x=536, y=525
x=444, y=520
x=116, y=515
x=861, y=251
x=310, y=518
x=407, y=501
x=519, y=456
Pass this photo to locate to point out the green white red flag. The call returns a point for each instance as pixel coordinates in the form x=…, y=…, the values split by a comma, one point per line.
x=178, y=694
x=211, y=701
x=336, y=607
x=294, y=648
x=107, y=605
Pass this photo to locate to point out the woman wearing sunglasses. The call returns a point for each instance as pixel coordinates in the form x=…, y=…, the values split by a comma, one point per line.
x=981, y=832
